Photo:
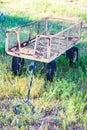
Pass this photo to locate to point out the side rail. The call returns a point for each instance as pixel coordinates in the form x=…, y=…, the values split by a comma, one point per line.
x=52, y=46
x=19, y=37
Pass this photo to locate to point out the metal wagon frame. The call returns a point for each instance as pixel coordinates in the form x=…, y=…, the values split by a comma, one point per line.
x=44, y=46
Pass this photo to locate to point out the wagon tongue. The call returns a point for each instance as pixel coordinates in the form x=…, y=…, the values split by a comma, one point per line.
x=15, y=109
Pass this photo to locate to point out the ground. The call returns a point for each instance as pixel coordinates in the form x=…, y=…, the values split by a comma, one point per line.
x=48, y=120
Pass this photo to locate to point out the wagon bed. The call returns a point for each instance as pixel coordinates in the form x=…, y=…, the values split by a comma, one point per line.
x=43, y=40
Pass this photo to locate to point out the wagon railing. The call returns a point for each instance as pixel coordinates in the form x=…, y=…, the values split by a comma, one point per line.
x=51, y=46
x=35, y=41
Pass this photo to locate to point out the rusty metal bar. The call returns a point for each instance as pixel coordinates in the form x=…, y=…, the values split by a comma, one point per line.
x=46, y=26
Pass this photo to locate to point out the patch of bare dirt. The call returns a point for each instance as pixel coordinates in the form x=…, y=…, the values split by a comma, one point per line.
x=5, y=104
x=49, y=120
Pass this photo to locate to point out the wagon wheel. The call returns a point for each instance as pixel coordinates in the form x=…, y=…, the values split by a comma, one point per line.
x=17, y=64
x=50, y=70
x=72, y=54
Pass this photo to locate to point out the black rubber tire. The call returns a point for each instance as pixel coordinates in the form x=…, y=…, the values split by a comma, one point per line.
x=17, y=64
x=72, y=55
x=50, y=71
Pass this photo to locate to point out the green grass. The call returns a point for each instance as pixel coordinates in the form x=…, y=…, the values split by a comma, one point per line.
x=63, y=101
x=65, y=97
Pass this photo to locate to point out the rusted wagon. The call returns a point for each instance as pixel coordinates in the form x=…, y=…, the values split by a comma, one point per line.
x=43, y=40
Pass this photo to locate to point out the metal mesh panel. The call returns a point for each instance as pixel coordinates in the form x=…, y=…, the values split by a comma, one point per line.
x=42, y=27
x=12, y=39
x=57, y=25
x=24, y=33
x=42, y=47
x=54, y=27
x=34, y=30
x=54, y=46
